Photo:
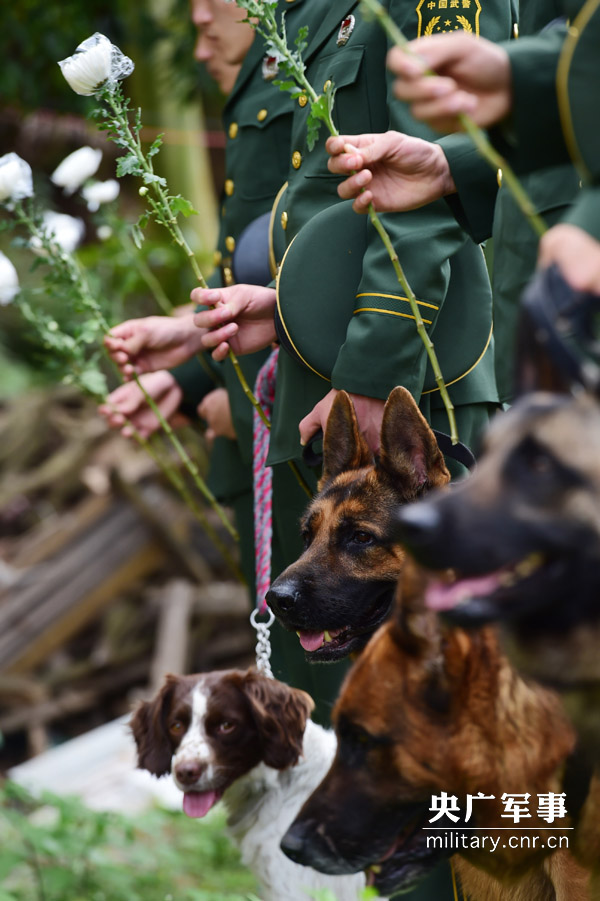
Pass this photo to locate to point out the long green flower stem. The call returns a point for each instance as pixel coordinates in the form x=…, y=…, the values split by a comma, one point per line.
x=477, y=135
x=180, y=486
x=63, y=260
x=188, y=462
x=75, y=277
x=166, y=217
x=267, y=27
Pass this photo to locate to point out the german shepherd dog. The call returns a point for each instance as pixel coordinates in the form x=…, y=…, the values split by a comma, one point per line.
x=341, y=588
x=428, y=709
x=522, y=536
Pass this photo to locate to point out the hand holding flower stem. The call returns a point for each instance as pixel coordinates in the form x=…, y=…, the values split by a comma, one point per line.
x=262, y=16
x=477, y=135
x=68, y=277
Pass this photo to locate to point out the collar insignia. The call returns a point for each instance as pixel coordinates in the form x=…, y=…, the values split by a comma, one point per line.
x=270, y=67
x=346, y=29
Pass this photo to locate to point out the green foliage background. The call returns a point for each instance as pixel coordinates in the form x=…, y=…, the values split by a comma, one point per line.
x=58, y=850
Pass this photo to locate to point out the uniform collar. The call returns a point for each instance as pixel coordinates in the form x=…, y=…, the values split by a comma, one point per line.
x=256, y=54
x=252, y=59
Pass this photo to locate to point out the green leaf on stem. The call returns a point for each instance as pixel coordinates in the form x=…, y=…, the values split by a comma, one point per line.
x=128, y=165
x=180, y=204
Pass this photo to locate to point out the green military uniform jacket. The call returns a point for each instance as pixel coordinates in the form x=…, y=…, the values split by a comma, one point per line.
x=488, y=212
x=556, y=104
x=444, y=267
x=257, y=122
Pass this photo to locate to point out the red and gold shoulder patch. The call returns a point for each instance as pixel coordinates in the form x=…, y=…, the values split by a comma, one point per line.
x=446, y=16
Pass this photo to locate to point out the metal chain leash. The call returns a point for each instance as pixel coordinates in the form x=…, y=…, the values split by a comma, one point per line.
x=263, y=643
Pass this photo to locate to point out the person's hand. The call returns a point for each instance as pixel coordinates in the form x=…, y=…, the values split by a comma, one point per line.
x=153, y=343
x=369, y=412
x=392, y=170
x=127, y=402
x=576, y=254
x=215, y=409
x=473, y=76
x=240, y=318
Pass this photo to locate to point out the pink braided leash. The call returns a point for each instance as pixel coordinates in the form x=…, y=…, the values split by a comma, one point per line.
x=264, y=390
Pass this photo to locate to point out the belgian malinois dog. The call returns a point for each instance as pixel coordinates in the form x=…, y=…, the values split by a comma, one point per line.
x=341, y=588
x=430, y=709
x=522, y=536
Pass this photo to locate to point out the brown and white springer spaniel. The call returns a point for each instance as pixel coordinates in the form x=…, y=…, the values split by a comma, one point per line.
x=249, y=740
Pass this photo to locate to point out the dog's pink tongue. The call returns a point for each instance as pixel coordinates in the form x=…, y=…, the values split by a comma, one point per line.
x=441, y=596
x=197, y=804
x=311, y=641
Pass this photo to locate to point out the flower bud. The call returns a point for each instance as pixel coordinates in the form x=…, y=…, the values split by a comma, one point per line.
x=76, y=168
x=9, y=281
x=98, y=192
x=96, y=63
x=143, y=191
x=16, y=181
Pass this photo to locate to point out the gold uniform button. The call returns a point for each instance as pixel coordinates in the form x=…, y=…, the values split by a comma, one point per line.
x=217, y=257
x=230, y=243
x=262, y=115
x=296, y=159
x=227, y=276
x=302, y=100
x=327, y=84
x=233, y=130
x=229, y=187
x=284, y=220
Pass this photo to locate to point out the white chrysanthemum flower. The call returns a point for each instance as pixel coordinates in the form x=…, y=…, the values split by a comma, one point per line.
x=76, y=168
x=66, y=231
x=98, y=192
x=16, y=180
x=95, y=63
x=9, y=281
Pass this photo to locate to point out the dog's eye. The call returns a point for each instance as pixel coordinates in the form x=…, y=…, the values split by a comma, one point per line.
x=226, y=727
x=362, y=537
x=176, y=727
x=306, y=538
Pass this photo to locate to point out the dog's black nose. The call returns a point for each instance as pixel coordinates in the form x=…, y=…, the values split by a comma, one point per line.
x=306, y=843
x=188, y=772
x=293, y=843
x=416, y=525
x=282, y=597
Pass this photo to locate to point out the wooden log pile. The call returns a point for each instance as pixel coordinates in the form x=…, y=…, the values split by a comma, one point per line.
x=107, y=581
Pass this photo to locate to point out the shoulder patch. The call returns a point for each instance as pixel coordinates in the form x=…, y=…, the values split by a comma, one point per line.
x=445, y=16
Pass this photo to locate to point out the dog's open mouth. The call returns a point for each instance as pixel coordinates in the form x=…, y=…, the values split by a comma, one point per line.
x=475, y=599
x=196, y=804
x=407, y=861
x=333, y=644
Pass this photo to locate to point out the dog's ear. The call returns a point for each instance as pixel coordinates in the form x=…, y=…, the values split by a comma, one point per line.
x=149, y=728
x=280, y=714
x=409, y=451
x=344, y=446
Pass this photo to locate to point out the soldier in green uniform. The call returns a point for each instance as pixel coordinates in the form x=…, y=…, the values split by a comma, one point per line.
x=539, y=95
x=257, y=122
x=445, y=268
x=402, y=173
